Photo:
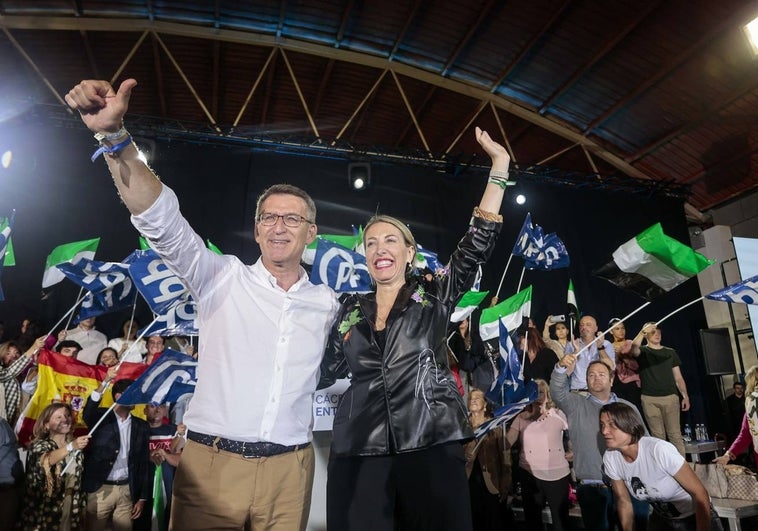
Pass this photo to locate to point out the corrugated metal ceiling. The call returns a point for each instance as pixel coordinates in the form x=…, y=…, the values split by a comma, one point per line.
x=662, y=90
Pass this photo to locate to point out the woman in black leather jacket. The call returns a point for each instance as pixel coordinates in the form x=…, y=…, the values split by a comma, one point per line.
x=396, y=458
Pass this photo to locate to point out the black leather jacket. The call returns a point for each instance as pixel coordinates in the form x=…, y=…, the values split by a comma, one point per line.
x=403, y=397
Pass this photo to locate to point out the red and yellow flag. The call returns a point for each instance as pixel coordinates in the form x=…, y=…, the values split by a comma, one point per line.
x=64, y=379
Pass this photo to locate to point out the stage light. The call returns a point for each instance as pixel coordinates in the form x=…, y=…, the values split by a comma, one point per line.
x=359, y=175
x=6, y=159
x=520, y=199
x=751, y=30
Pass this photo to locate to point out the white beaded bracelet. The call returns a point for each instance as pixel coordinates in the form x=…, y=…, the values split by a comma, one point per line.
x=498, y=174
x=110, y=137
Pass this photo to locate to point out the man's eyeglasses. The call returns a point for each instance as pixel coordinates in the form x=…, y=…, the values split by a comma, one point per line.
x=268, y=219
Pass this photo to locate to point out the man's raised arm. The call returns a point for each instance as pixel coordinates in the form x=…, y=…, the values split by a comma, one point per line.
x=102, y=110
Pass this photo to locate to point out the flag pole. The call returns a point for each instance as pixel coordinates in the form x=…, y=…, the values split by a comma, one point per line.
x=131, y=319
x=499, y=287
x=520, y=280
x=572, y=324
x=100, y=420
x=137, y=340
x=70, y=310
x=92, y=430
x=523, y=355
x=617, y=322
x=71, y=315
x=679, y=309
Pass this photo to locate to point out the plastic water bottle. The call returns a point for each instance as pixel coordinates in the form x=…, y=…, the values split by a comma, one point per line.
x=699, y=432
x=705, y=433
x=687, y=433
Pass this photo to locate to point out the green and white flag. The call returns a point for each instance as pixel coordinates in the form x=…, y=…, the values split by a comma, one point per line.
x=68, y=252
x=466, y=306
x=652, y=263
x=511, y=311
x=349, y=241
x=160, y=518
x=572, y=307
x=10, y=255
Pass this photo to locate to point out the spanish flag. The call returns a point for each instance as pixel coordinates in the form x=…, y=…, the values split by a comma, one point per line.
x=64, y=379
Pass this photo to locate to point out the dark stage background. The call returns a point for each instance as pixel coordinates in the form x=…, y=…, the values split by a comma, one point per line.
x=61, y=196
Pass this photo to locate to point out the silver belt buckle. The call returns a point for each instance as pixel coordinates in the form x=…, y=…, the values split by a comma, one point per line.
x=251, y=453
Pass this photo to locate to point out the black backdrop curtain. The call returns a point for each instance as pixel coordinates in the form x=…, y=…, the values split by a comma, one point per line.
x=61, y=197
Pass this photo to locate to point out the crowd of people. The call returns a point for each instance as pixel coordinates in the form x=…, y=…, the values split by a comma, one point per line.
x=58, y=486
x=403, y=454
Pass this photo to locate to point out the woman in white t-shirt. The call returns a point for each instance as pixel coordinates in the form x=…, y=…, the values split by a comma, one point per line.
x=652, y=470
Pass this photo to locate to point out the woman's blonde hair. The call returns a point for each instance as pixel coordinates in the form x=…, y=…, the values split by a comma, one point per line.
x=399, y=225
x=534, y=410
x=40, y=431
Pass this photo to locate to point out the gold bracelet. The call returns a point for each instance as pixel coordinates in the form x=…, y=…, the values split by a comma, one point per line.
x=488, y=216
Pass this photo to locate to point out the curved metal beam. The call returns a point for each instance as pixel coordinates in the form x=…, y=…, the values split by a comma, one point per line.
x=382, y=63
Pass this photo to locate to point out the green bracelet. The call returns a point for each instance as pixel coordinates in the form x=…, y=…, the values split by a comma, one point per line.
x=500, y=182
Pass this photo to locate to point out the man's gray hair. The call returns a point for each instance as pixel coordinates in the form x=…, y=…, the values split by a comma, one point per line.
x=287, y=189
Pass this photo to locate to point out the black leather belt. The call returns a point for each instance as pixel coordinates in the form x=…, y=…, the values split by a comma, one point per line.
x=249, y=450
x=117, y=482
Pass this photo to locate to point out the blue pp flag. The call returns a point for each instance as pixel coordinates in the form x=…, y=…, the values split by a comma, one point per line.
x=546, y=252
x=177, y=319
x=525, y=235
x=540, y=251
x=744, y=292
x=508, y=388
x=506, y=413
x=109, y=286
x=168, y=379
x=159, y=286
x=5, y=238
x=508, y=392
x=341, y=269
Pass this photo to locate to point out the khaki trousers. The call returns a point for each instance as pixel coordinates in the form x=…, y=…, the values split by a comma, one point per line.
x=662, y=414
x=214, y=489
x=110, y=502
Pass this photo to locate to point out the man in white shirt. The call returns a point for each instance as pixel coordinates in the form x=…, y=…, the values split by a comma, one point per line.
x=91, y=340
x=248, y=459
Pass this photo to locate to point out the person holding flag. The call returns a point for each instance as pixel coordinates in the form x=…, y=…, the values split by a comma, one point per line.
x=246, y=442
x=588, y=347
x=396, y=457
x=54, y=500
x=595, y=498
